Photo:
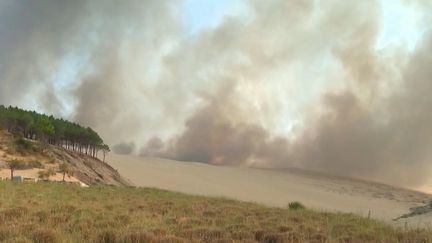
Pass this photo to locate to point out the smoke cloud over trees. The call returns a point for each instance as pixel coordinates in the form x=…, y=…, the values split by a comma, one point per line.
x=282, y=83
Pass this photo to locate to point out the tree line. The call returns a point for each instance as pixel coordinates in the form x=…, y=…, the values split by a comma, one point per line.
x=51, y=130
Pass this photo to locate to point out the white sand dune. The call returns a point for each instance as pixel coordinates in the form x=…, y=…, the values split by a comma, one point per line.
x=275, y=187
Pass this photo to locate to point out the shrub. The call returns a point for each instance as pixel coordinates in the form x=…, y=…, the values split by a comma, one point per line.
x=24, y=143
x=34, y=164
x=45, y=174
x=17, y=134
x=295, y=206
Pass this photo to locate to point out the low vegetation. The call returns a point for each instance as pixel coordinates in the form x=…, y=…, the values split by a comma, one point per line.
x=23, y=143
x=46, y=212
x=24, y=165
x=45, y=174
x=295, y=206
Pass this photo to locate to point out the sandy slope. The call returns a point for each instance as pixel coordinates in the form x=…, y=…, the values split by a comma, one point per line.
x=275, y=187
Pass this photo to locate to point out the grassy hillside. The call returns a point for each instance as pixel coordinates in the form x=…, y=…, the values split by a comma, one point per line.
x=62, y=213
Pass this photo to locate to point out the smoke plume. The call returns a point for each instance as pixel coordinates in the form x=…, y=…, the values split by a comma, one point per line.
x=297, y=83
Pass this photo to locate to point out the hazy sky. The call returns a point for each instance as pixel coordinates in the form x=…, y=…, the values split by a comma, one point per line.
x=338, y=86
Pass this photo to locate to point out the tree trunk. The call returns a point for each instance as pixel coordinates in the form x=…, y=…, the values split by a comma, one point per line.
x=64, y=174
x=12, y=171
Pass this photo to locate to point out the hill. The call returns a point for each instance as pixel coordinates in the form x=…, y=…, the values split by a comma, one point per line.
x=44, y=212
x=32, y=157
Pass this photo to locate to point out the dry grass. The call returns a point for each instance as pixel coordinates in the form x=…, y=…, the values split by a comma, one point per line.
x=61, y=213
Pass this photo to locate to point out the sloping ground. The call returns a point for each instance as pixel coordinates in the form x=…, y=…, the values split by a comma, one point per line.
x=61, y=213
x=277, y=188
x=87, y=169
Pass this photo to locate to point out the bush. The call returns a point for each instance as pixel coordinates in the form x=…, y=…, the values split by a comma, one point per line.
x=45, y=174
x=34, y=164
x=16, y=134
x=24, y=143
x=295, y=206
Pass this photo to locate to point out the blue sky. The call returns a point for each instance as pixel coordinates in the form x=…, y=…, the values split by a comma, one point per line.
x=401, y=24
x=198, y=14
x=201, y=14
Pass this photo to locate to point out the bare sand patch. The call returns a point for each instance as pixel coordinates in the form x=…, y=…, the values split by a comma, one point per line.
x=33, y=173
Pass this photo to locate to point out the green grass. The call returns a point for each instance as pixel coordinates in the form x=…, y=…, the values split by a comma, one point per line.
x=62, y=213
x=295, y=206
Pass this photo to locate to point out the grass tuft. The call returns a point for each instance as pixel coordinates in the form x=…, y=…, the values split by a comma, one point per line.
x=295, y=206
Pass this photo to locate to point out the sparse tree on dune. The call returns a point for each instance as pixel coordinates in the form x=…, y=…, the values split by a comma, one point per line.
x=105, y=151
x=13, y=165
x=65, y=169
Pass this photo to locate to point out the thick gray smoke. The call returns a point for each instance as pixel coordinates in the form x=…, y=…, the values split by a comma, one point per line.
x=90, y=61
x=373, y=126
x=124, y=148
x=34, y=36
x=286, y=83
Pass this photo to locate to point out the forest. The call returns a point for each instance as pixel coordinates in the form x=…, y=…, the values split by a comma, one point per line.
x=51, y=130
